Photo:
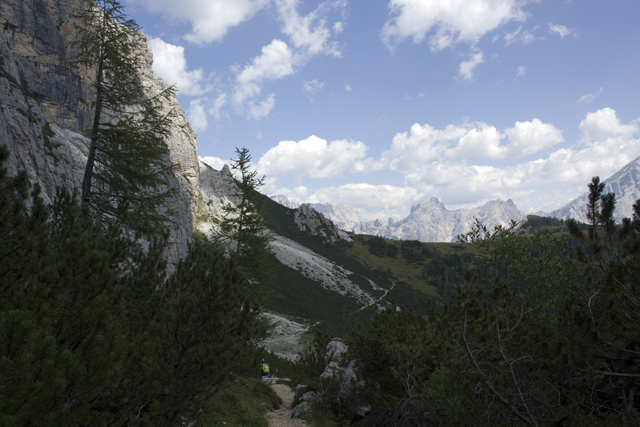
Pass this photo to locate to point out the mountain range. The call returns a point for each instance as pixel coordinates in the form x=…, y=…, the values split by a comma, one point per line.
x=430, y=221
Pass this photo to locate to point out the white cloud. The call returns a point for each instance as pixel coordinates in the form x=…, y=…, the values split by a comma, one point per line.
x=561, y=30
x=211, y=19
x=347, y=88
x=219, y=102
x=526, y=138
x=425, y=144
x=466, y=67
x=170, y=64
x=275, y=62
x=604, y=125
x=338, y=27
x=312, y=156
x=312, y=87
x=215, y=162
x=261, y=109
x=373, y=201
x=588, y=98
x=308, y=35
x=521, y=71
x=447, y=22
x=197, y=116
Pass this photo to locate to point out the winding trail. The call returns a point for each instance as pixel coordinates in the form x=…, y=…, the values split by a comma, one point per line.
x=282, y=417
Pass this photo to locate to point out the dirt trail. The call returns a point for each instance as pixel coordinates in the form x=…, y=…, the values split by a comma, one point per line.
x=282, y=416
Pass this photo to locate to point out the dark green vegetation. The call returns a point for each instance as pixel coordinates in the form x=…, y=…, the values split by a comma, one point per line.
x=127, y=175
x=93, y=332
x=547, y=335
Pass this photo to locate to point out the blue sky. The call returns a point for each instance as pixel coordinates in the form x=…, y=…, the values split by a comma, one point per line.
x=380, y=104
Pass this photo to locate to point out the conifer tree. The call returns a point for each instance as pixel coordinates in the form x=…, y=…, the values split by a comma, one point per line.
x=243, y=224
x=126, y=175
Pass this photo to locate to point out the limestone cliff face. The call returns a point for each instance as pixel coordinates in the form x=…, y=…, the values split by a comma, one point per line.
x=45, y=104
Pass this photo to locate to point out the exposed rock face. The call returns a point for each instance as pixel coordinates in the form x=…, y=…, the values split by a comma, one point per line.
x=344, y=216
x=625, y=184
x=45, y=104
x=308, y=219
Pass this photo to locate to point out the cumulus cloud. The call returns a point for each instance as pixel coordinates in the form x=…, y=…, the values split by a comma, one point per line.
x=424, y=144
x=197, y=116
x=521, y=71
x=447, y=22
x=275, y=62
x=561, y=30
x=604, y=125
x=588, y=98
x=373, y=201
x=312, y=156
x=210, y=20
x=170, y=64
x=214, y=162
x=466, y=67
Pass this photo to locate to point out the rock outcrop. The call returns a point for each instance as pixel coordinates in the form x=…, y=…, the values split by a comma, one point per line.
x=340, y=384
x=45, y=105
x=309, y=219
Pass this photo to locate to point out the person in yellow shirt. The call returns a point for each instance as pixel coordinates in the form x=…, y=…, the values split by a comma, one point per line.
x=265, y=369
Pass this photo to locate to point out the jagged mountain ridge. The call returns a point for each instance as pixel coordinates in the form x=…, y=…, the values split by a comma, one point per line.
x=430, y=221
x=625, y=184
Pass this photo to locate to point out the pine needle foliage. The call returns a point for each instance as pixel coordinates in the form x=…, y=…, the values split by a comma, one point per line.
x=92, y=332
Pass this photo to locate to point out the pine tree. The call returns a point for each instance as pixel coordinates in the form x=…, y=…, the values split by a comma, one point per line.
x=126, y=177
x=243, y=224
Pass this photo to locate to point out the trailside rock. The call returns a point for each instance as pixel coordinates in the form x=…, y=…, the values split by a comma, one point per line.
x=339, y=383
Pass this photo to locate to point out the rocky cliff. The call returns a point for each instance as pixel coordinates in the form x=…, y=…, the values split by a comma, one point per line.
x=45, y=105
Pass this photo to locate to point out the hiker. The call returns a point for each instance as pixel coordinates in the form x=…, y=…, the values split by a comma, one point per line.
x=265, y=370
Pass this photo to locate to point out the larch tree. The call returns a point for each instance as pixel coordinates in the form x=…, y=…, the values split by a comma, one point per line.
x=126, y=177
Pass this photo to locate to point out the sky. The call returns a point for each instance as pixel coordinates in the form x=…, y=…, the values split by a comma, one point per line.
x=382, y=104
